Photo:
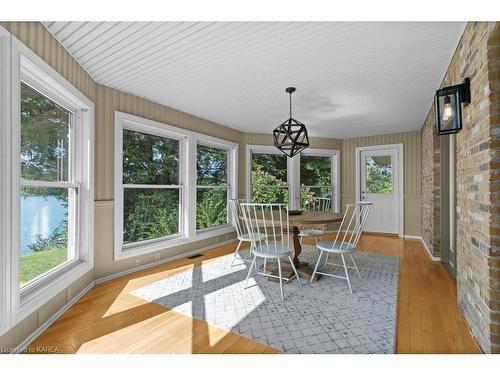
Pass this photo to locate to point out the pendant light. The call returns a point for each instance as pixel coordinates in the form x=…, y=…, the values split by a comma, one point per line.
x=291, y=136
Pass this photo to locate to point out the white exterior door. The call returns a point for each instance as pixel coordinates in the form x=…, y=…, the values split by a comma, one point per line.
x=378, y=182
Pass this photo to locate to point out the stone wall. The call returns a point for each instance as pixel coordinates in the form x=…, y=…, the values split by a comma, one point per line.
x=430, y=185
x=494, y=250
x=478, y=257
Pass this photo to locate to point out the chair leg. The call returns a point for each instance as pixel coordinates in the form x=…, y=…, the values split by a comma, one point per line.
x=236, y=252
x=355, y=265
x=316, y=266
x=301, y=239
x=346, y=273
x=265, y=265
x=295, y=270
x=326, y=259
x=281, y=280
x=316, y=241
x=250, y=270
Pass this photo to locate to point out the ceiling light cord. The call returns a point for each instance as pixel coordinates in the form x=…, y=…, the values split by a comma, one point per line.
x=290, y=105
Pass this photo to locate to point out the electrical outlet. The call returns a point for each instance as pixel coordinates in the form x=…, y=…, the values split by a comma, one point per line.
x=157, y=256
x=137, y=262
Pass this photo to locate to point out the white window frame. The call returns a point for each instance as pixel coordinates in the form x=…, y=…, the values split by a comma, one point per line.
x=24, y=64
x=293, y=172
x=5, y=155
x=189, y=141
x=231, y=176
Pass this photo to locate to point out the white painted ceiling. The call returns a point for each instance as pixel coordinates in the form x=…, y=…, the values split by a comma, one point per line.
x=352, y=79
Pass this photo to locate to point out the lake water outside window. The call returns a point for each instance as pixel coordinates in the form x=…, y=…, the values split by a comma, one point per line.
x=45, y=168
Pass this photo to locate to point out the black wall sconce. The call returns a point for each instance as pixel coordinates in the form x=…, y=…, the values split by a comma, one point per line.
x=448, y=104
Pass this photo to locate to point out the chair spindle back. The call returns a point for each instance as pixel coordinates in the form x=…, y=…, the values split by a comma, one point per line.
x=267, y=225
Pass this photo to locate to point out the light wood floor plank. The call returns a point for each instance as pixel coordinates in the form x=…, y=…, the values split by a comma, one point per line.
x=109, y=319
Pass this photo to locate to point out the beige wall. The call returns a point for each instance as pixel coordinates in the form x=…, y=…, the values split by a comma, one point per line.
x=37, y=38
x=109, y=100
x=412, y=172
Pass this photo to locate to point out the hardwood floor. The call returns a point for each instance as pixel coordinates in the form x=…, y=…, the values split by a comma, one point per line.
x=110, y=320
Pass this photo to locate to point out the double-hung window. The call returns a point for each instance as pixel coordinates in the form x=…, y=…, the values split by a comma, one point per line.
x=212, y=186
x=48, y=139
x=272, y=177
x=171, y=186
x=152, y=192
x=49, y=192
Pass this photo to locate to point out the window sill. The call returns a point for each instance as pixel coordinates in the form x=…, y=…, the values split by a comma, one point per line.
x=41, y=292
x=132, y=250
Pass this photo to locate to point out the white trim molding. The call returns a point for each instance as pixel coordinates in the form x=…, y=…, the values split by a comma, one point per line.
x=188, y=141
x=419, y=238
x=162, y=261
x=433, y=258
x=5, y=161
x=42, y=328
x=400, y=156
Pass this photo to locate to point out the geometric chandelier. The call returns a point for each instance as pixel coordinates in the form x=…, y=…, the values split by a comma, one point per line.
x=291, y=136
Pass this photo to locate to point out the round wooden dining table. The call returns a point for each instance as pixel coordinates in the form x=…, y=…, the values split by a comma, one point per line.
x=307, y=219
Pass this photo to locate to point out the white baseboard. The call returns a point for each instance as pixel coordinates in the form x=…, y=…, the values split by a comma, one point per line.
x=433, y=258
x=410, y=237
x=28, y=340
x=153, y=264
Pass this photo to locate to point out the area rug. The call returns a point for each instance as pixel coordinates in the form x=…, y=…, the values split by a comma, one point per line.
x=322, y=317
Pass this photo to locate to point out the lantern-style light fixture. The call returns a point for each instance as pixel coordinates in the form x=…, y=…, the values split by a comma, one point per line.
x=448, y=105
x=291, y=136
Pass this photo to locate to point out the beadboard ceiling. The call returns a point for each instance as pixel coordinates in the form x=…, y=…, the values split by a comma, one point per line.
x=352, y=79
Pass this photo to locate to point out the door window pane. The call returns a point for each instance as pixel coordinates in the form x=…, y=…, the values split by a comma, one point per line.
x=379, y=174
x=150, y=213
x=44, y=231
x=150, y=159
x=45, y=140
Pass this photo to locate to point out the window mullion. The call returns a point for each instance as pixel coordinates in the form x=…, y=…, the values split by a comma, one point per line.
x=49, y=184
x=150, y=186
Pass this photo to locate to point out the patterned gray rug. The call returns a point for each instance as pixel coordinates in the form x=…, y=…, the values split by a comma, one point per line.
x=322, y=317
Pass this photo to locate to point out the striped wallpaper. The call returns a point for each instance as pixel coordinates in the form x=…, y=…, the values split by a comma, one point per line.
x=412, y=172
x=35, y=36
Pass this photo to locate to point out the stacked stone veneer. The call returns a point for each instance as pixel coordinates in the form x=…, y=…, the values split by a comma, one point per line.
x=478, y=252
x=430, y=185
